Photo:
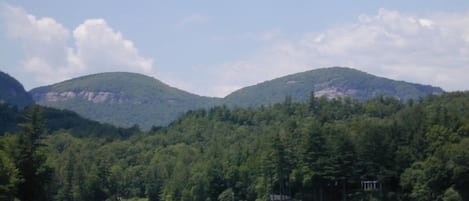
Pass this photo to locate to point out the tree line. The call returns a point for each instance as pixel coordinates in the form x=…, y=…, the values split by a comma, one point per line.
x=318, y=150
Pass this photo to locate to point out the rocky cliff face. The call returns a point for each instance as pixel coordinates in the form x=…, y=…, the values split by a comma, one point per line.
x=92, y=96
x=97, y=97
x=334, y=92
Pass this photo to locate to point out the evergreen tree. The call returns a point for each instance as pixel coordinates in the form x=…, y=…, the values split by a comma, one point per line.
x=314, y=160
x=279, y=165
x=34, y=173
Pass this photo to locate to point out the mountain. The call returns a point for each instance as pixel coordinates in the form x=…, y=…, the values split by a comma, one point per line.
x=12, y=91
x=126, y=99
x=122, y=99
x=329, y=82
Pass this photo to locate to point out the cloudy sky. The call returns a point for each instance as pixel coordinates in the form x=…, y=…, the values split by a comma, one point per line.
x=212, y=48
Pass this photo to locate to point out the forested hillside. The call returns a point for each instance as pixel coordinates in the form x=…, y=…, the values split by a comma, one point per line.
x=331, y=82
x=128, y=99
x=54, y=120
x=317, y=150
x=12, y=91
x=122, y=99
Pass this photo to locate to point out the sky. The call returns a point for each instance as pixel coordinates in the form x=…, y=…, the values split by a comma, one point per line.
x=212, y=48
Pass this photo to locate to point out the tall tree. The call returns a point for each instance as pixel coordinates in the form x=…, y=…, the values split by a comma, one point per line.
x=314, y=159
x=30, y=161
x=280, y=165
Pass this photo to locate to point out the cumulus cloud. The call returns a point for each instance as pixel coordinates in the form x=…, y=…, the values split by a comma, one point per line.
x=431, y=49
x=54, y=53
x=24, y=26
x=97, y=45
x=44, y=41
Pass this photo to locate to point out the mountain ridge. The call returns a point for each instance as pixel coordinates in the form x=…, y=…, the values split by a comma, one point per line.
x=121, y=98
x=126, y=99
x=333, y=82
x=99, y=87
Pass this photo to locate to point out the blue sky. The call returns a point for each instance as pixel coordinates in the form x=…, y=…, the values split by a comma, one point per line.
x=215, y=47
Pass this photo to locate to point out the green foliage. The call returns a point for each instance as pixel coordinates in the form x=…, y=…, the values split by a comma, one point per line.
x=60, y=120
x=451, y=195
x=8, y=177
x=24, y=172
x=318, y=150
x=30, y=161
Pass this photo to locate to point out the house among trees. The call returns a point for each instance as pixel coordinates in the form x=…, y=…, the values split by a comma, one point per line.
x=371, y=185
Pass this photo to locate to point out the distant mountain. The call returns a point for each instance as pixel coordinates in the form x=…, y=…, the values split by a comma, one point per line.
x=12, y=92
x=329, y=82
x=126, y=99
x=122, y=99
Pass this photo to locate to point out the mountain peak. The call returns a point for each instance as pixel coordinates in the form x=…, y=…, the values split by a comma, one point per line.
x=120, y=98
x=333, y=82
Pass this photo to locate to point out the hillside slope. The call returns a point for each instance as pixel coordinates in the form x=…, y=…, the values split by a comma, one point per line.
x=56, y=120
x=12, y=91
x=122, y=99
x=126, y=99
x=329, y=82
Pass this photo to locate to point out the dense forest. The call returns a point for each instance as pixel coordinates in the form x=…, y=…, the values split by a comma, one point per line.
x=339, y=149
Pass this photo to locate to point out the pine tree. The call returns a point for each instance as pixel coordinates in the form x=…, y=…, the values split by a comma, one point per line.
x=34, y=173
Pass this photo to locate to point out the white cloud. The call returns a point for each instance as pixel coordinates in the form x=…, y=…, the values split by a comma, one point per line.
x=44, y=41
x=426, y=23
x=22, y=25
x=51, y=57
x=431, y=49
x=97, y=45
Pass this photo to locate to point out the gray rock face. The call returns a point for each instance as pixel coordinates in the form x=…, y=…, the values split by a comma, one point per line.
x=92, y=96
